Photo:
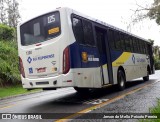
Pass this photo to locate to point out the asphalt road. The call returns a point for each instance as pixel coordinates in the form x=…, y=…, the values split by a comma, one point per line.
x=66, y=103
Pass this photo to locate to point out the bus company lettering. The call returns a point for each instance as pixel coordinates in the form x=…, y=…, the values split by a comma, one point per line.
x=92, y=58
x=43, y=57
x=141, y=60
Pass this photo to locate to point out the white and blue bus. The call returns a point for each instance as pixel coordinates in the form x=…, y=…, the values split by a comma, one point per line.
x=65, y=48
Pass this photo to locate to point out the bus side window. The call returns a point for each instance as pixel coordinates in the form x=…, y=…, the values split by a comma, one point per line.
x=141, y=46
x=146, y=48
x=111, y=39
x=88, y=33
x=127, y=43
x=117, y=40
x=78, y=30
x=137, y=45
x=122, y=42
x=134, y=45
x=131, y=44
x=100, y=39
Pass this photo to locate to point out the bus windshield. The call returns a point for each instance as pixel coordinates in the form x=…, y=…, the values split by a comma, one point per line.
x=40, y=29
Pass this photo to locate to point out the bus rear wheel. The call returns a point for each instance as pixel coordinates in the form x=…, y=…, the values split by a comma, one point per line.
x=146, y=78
x=121, y=80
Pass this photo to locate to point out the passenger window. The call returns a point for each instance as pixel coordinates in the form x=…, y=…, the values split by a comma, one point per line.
x=111, y=39
x=127, y=43
x=88, y=33
x=138, y=46
x=100, y=40
x=122, y=42
x=135, y=45
x=83, y=31
x=117, y=40
x=78, y=30
x=131, y=44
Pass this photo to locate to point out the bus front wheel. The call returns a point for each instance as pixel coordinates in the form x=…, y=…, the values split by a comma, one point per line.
x=121, y=80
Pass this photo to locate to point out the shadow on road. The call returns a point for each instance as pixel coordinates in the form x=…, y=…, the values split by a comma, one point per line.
x=76, y=101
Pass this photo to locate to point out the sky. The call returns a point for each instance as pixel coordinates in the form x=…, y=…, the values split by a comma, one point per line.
x=115, y=12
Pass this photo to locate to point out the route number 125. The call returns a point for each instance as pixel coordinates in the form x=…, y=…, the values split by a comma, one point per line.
x=51, y=19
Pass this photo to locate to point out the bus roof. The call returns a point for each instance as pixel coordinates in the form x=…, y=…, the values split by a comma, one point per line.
x=89, y=18
x=107, y=25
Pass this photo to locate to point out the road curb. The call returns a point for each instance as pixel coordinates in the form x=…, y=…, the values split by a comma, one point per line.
x=19, y=95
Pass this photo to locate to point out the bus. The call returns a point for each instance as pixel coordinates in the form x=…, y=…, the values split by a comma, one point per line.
x=64, y=48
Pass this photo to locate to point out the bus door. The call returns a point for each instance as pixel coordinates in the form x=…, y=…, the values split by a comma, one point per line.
x=104, y=56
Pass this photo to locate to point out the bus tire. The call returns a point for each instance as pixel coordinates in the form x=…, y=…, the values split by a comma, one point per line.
x=121, y=80
x=81, y=90
x=29, y=89
x=146, y=78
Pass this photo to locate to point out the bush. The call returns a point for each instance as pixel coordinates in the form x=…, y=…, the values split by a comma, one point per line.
x=157, y=64
x=9, y=73
x=6, y=32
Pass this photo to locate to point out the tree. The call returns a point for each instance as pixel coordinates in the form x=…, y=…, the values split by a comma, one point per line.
x=2, y=12
x=152, y=41
x=154, y=11
x=13, y=13
x=148, y=11
x=9, y=13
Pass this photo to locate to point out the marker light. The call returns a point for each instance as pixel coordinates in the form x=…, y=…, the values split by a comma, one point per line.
x=21, y=67
x=66, y=61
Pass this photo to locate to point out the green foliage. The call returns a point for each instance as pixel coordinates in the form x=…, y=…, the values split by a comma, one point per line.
x=157, y=63
x=155, y=111
x=154, y=11
x=6, y=32
x=15, y=90
x=9, y=72
x=152, y=41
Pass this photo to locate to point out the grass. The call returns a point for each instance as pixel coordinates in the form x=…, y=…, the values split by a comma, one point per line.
x=154, y=111
x=14, y=90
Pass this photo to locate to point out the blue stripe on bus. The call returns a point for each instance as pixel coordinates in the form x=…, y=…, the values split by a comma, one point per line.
x=76, y=56
x=115, y=55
